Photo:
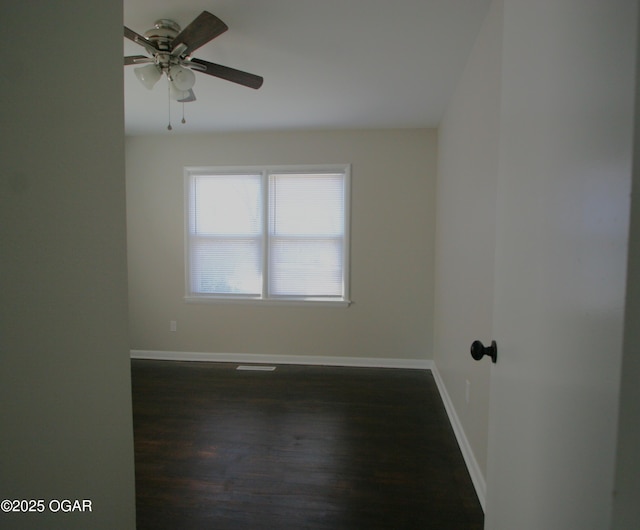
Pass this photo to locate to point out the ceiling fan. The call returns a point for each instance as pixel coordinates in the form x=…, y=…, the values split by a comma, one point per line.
x=170, y=49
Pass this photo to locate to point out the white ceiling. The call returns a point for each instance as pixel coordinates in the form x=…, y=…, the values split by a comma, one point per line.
x=326, y=63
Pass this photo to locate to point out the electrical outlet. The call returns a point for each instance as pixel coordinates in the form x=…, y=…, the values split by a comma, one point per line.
x=467, y=391
x=173, y=325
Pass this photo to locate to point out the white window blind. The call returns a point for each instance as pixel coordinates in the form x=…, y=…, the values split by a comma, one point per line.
x=267, y=233
x=226, y=234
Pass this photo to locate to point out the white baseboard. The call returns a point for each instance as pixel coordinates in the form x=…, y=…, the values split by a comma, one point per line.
x=316, y=360
x=477, y=477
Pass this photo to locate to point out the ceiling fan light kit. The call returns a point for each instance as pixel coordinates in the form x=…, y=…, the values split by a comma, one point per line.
x=170, y=49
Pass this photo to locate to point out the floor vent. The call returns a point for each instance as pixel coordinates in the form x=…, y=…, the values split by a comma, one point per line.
x=256, y=368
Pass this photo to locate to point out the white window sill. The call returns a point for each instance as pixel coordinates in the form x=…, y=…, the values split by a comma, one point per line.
x=203, y=299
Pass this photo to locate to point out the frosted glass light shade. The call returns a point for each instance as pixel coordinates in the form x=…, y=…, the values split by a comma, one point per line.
x=182, y=78
x=148, y=75
x=176, y=93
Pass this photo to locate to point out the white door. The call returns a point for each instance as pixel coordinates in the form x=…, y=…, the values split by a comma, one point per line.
x=561, y=247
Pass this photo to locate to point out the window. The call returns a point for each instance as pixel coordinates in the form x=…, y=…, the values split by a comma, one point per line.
x=267, y=234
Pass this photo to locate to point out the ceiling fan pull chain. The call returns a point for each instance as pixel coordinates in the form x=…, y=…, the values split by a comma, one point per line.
x=183, y=120
x=169, y=128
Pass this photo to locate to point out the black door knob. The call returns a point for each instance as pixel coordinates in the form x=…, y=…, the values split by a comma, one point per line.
x=479, y=350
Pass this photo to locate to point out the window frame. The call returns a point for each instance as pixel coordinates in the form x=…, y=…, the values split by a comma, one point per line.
x=265, y=171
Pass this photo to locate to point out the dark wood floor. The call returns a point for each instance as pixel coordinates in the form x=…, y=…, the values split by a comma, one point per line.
x=298, y=448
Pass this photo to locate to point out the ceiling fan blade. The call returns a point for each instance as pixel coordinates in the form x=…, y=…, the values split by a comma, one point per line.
x=139, y=39
x=204, y=28
x=230, y=74
x=137, y=59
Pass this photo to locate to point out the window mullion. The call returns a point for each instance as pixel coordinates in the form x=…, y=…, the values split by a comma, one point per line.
x=266, y=228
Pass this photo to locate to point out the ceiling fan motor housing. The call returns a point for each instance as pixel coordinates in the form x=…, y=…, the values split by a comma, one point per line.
x=163, y=33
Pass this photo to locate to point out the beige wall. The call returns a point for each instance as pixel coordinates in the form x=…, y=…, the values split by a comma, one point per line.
x=465, y=233
x=392, y=249
x=65, y=392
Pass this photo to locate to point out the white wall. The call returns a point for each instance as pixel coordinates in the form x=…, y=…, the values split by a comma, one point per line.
x=65, y=396
x=392, y=219
x=465, y=234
